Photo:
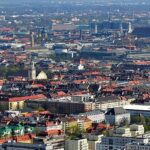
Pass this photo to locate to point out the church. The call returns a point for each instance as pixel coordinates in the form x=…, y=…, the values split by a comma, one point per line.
x=32, y=73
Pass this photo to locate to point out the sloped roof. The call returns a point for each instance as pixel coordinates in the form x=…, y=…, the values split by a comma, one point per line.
x=116, y=111
x=32, y=97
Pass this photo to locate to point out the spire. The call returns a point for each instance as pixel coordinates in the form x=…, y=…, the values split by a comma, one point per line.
x=121, y=29
x=96, y=29
x=32, y=71
x=32, y=39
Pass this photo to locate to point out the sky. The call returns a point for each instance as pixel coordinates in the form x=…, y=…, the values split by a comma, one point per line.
x=85, y=1
x=32, y=2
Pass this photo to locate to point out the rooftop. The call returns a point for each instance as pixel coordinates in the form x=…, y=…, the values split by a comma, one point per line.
x=137, y=107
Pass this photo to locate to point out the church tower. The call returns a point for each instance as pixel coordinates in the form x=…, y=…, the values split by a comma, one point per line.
x=32, y=39
x=32, y=71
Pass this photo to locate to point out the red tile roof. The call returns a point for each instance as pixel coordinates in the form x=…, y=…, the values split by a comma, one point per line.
x=61, y=93
x=4, y=29
x=52, y=132
x=24, y=98
x=37, y=86
x=46, y=124
x=55, y=82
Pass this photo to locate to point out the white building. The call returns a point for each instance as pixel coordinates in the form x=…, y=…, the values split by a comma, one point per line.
x=82, y=98
x=137, y=129
x=137, y=146
x=76, y=144
x=117, y=143
x=122, y=132
x=96, y=116
x=133, y=131
x=45, y=127
x=60, y=48
x=117, y=115
x=110, y=102
x=138, y=109
x=80, y=67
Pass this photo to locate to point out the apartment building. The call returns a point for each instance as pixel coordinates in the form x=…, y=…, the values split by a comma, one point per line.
x=104, y=103
x=138, y=146
x=76, y=144
x=117, y=143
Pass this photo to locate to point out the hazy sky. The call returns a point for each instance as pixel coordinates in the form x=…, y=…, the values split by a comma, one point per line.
x=32, y=2
x=87, y=1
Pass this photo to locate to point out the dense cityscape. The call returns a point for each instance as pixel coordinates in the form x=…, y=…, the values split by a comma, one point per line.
x=74, y=75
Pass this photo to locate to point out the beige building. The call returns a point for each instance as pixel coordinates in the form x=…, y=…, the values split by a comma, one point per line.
x=76, y=144
x=104, y=105
x=122, y=132
x=133, y=131
x=93, y=140
x=84, y=123
x=136, y=129
x=82, y=98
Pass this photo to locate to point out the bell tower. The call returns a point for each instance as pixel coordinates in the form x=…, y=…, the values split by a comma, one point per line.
x=32, y=71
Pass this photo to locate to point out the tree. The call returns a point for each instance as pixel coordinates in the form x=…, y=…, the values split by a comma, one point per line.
x=105, y=133
x=74, y=132
x=124, y=122
x=136, y=119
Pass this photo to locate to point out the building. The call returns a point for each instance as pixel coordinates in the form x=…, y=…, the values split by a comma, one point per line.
x=137, y=146
x=117, y=143
x=117, y=115
x=82, y=98
x=138, y=109
x=137, y=129
x=76, y=144
x=104, y=103
x=60, y=48
x=32, y=39
x=42, y=76
x=32, y=72
x=16, y=103
x=63, y=27
x=111, y=26
x=93, y=140
x=96, y=116
x=44, y=127
x=142, y=31
x=122, y=132
x=68, y=123
x=69, y=107
x=84, y=123
x=24, y=146
x=132, y=131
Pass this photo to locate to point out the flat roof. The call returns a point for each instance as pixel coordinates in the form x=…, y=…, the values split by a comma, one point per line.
x=137, y=107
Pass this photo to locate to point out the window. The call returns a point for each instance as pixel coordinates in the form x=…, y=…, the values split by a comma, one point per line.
x=110, y=141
